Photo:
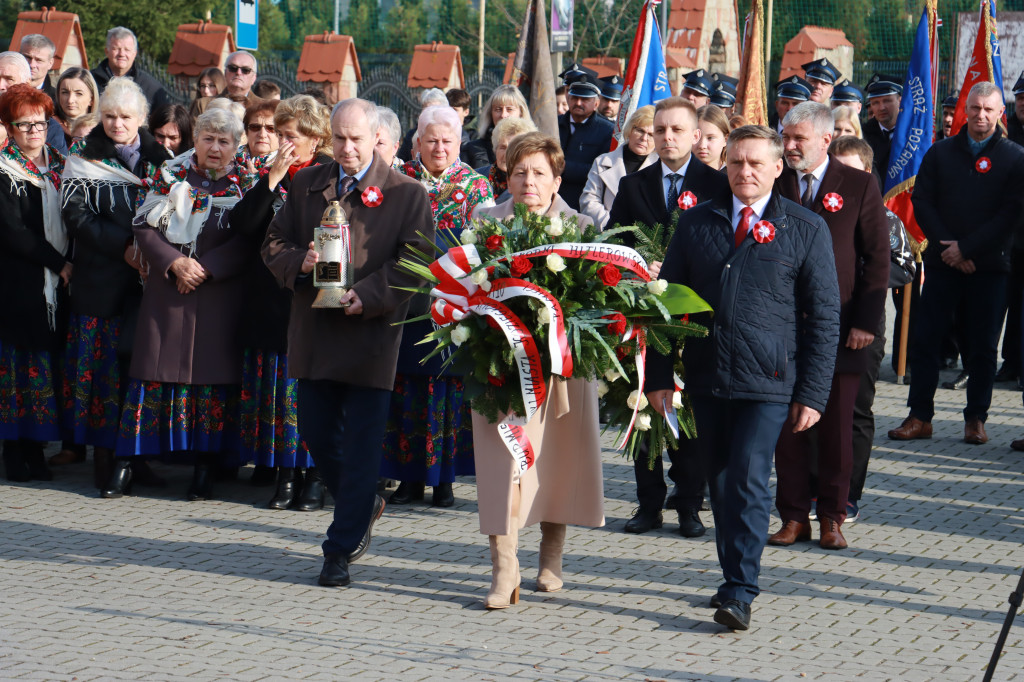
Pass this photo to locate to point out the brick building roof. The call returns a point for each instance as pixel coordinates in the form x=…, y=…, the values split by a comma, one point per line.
x=804, y=46
x=432, y=66
x=63, y=28
x=200, y=46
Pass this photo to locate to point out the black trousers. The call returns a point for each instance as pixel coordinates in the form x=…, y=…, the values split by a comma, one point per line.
x=686, y=470
x=343, y=426
x=1012, y=335
x=864, y=418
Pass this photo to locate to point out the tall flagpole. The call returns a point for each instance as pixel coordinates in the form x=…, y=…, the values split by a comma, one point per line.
x=767, y=40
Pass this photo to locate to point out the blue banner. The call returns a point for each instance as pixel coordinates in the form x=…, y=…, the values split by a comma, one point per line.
x=247, y=24
x=655, y=84
x=997, y=62
x=912, y=136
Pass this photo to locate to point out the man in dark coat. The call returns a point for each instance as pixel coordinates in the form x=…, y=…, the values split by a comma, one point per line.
x=122, y=48
x=884, y=94
x=1011, y=369
x=967, y=201
x=851, y=205
x=584, y=135
x=345, y=358
x=765, y=266
x=652, y=197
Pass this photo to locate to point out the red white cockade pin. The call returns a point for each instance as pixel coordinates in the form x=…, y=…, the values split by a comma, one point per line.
x=983, y=164
x=832, y=202
x=687, y=200
x=458, y=196
x=764, y=232
x=372, y=196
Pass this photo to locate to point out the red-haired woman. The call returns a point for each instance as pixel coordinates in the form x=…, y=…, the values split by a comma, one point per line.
x=34, y=274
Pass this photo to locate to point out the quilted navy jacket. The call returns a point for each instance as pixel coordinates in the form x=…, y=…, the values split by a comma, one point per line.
x=775, y=329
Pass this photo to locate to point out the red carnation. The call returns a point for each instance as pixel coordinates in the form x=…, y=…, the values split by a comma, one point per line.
x=494, y=242
x=520, y=266
x=618, y=323
x=609, y=274
x=495, y=381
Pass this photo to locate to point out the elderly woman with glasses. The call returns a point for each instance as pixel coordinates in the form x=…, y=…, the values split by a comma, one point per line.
x=186, y=368
x=261, y=141
x=103, y=176
x=35, y=271
x=603, y=179
x=429, y=438
x=268, y=415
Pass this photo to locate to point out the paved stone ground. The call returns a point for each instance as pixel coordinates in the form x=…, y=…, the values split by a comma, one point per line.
x=156, y=588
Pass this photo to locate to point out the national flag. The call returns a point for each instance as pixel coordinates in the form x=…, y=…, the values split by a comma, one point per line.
x=754, y=102
x=532, y=66
x=985, y=62
x=912, y=136
x=646, y=79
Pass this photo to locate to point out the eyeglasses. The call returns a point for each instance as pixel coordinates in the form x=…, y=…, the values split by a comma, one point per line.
x=234, y=68
x=256, y=127
x=642, y=134
x=29, y=126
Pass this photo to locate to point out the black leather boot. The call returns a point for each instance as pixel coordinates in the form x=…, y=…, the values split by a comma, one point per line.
x=289, y=480
x=37, y=469
x=443, y=495
x=312, y=496
x=202, y=478
x=102, y=466
x=120, y=483
x=15, y=468
x=407, y=492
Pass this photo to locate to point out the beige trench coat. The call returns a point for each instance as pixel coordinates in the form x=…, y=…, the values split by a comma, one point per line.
x=565, y=484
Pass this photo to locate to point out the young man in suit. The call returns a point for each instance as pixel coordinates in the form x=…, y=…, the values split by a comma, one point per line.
x=851, y=205
x=765, y=266
x=651, y=197
x=584, y=135
x=345, y=358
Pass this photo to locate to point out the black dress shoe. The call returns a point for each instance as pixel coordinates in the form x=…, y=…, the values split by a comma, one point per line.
x=364, y=544
x=335, y=571
x=958, y=384
x=690, y=525
x=733, y=614
x=36, y=461
x=263, y=475
x=202, y=483
x=644, y=521
x=289, y=480
x=312, y=496
x=407, y=492
x=672, y=501
x=15, y=467
x=120, y=483
x=716, y=601
x=443, y=495
x=145, y=476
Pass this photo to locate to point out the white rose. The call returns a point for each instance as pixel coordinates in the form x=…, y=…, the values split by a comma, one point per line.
x=556, y=228
x=555, y=262
x=479, y=278
x=677, y=400
x=468, y=236
x=611, y=375
x=643, y=422
x=460, y=334
x=636, y=400
x=544, y=315
x=602, y=389
x=657, y=286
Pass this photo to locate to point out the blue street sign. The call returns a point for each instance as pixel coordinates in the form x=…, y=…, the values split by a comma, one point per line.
x=247, y=24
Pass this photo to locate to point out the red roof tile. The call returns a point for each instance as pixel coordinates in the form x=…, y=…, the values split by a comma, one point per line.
x=200, y=46
x=325, y=56
x=432, y=66
x=604, y=66
x=805, y=44
x=63, y=28
x=685, y=24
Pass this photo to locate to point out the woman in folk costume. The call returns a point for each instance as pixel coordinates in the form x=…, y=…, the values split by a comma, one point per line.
x=429, y=437
x=565, y=484
x=34, y=275
x=261, y=139
x=267, y=405
x=185, y=370
x=103, y=177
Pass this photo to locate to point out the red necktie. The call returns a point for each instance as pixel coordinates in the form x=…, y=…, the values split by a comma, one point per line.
x=746, y=213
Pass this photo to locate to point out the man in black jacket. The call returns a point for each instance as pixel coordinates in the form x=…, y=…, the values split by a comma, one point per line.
x=884, y=94
x=967, y=201
x=1011, y=369
x=653, y=196
x=122, y=48
x=765, y=266
x=584, y=135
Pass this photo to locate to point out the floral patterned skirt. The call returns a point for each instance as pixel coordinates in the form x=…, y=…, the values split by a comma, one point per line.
x=429, y=431
x=91, y=398
x=177, y=420
x=268, y=416
x=28, y=402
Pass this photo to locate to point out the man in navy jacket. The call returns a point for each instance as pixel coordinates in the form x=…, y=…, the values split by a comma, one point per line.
x=765, y=266
x=584, y=135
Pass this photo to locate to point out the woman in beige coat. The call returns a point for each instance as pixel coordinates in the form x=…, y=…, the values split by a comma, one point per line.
x=564, y=485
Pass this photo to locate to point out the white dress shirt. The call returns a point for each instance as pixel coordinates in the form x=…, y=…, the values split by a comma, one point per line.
x=666, y=183
x=758, y=207
x=817, y=174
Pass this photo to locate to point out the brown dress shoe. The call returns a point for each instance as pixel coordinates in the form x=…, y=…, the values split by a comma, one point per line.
x=831, y=536
x=912, y=428
x=974, y=432
x=1017, y=445
x=791, y=532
